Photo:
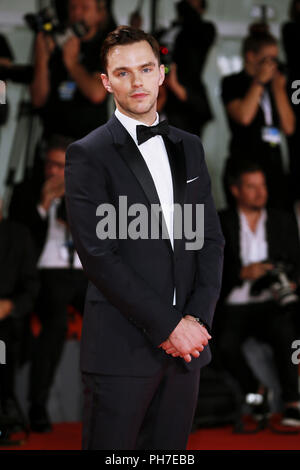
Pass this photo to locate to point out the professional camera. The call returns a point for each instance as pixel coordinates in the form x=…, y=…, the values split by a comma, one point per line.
x=278, y=282
x=47, y=22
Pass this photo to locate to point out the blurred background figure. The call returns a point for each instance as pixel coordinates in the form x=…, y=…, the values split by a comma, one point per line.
x=62, y=282
x=187, y=105
x=66, y=80
x=256, y=302
x=135, y=18
x=258, y=109
x=6, y=60
x=291, y=44
x=18, y=291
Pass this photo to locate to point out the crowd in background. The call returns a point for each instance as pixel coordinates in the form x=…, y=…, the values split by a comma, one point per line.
x=39, y=269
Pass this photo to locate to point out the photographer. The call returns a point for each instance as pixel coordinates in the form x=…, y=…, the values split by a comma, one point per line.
x=254, y=235
x=291, y=41
x=62, y=281
x=258, y=109
x=187, y=105
x=66, y=79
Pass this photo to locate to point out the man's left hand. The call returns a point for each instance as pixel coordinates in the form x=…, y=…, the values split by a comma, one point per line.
x=71, y=51
x=6, y=307
x=169, y=348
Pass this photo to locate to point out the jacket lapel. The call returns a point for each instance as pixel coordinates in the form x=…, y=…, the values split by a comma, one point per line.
x=135, y=161
x=176, y=157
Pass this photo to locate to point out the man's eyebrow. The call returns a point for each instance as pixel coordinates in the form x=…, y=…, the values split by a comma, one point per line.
x=152, y=64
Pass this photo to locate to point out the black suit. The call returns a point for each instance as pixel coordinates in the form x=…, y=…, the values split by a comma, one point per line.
x=129, y=311
x=263, y=320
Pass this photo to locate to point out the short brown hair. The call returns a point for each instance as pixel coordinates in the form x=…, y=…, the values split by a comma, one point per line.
x=124, y=35
x=257, y=40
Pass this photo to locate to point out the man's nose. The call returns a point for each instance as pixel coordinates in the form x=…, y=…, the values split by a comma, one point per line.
x=77, y=15
x=137, y=81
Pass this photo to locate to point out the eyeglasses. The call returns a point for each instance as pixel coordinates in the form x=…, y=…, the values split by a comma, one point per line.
x=53, y=164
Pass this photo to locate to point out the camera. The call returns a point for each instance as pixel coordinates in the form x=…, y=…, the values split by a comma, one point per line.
x=278, y=282
x=46, y=21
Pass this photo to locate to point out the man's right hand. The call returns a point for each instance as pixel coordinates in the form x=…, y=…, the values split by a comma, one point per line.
x=255, y=271
x=53, y=188
x=187, y=339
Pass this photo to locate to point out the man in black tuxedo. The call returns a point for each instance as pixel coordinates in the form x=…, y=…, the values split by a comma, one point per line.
x=142, y=346
x=257, y=239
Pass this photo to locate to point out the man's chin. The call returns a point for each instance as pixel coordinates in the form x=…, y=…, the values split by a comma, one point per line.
x=258, y=207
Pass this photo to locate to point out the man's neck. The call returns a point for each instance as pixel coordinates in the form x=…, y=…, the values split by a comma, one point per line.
x=252, y=215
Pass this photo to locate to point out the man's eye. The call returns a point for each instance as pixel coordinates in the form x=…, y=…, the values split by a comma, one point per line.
x=147, y=69
x=122, y=74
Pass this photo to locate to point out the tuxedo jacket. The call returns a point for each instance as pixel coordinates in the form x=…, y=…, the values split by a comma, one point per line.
x=282, y=239
x=129, y=308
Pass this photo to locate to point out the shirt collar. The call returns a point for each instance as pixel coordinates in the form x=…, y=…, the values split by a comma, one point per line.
x=130, y=123
x=260, y=223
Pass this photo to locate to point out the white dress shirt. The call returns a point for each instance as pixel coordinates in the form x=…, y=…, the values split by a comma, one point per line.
x=253, y=249
x=156, y=158
x=55, y=253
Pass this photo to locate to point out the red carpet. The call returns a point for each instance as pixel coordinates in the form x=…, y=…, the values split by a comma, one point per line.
x=67, y=436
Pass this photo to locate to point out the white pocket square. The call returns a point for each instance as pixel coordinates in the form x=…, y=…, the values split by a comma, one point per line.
x=193, y=179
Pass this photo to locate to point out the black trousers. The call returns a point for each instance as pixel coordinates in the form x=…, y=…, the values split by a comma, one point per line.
x=268, y=322
x=134, y=413
x=59, y=288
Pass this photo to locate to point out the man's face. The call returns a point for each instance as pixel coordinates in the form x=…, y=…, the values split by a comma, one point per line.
x=55, y=163
x=197, y=5
x=266, y=54
x=87, y=11
x=251, y=193
x=134, y=76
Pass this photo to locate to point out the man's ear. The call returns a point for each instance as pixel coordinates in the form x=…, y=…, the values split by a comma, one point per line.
x=250, y=57
x=161, y=74
x=106, y=82
x=234, y=190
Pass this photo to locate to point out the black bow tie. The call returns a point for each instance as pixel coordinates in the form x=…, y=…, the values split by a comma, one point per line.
x=143, y=133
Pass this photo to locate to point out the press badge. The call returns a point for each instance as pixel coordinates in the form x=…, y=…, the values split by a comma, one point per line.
x=66, y=90
x=271, y=135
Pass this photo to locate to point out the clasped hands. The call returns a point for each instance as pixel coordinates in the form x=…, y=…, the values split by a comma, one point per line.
x=187, y=339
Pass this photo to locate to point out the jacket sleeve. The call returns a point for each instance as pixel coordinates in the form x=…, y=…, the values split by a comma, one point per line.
x=88, y=186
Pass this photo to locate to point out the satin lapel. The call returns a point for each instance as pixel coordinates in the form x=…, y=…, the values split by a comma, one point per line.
x=134, y=159
x=178, y=169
